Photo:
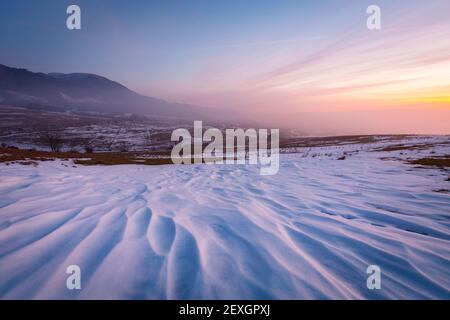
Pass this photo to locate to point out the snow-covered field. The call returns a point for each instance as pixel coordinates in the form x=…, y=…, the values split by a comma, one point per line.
x=224, y=231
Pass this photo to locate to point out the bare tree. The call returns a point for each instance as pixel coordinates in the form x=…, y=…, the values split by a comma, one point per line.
x=124, y=147
x=148, y=138
x=52, y=140
x=88, y=149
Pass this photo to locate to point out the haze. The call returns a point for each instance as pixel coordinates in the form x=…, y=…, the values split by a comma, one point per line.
x=309, y=65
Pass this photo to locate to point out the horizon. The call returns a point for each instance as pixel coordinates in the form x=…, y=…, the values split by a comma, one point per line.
x=266, y=62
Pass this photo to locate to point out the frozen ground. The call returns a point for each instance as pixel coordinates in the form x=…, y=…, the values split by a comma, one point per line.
x=221, y=231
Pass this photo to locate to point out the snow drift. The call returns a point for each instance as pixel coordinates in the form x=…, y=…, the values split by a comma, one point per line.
x=225, y=232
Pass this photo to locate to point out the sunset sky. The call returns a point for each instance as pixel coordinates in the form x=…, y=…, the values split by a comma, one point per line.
x=288, y=57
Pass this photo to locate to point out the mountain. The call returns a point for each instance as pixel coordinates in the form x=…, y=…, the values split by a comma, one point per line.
x=82, y=92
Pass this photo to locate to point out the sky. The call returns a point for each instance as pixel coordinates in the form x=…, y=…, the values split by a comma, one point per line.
x=306, y=63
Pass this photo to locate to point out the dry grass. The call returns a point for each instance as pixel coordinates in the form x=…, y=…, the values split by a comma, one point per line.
x=31, y=157
x=441, y=162
x=309, y=142
x=12, y=155
x=402, y=147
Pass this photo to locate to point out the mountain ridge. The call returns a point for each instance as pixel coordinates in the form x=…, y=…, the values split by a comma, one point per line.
x=83, y=92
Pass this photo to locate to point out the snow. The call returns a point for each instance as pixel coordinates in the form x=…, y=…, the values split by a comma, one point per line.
x=225, y=232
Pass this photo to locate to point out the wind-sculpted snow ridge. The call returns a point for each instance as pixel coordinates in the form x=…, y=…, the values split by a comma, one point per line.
x=225, y=232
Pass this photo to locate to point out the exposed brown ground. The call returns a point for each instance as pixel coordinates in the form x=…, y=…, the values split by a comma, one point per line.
x=14, y=155
x=402, y=147
x=308, y=142
x=441, y=161
x=31, y=157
